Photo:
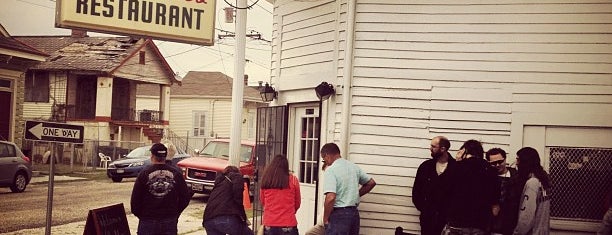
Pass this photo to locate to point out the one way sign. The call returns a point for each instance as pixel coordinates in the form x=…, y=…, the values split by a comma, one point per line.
x=51, y=131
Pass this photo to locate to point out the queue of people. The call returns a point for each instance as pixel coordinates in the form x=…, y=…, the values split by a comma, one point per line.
x=477, y=193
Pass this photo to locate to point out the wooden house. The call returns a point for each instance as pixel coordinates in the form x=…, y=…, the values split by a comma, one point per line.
x=509, y=73
x=92, y=81
x=200, y=108
x=15, y=58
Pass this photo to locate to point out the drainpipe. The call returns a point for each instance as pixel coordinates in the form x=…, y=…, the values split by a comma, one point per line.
x=347, y=81
x=212, y=118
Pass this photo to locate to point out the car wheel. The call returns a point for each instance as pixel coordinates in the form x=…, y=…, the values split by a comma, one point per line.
x=19, y=183
x=117, y=179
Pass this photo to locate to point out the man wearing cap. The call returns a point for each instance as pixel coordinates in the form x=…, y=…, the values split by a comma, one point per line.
x=159, y=196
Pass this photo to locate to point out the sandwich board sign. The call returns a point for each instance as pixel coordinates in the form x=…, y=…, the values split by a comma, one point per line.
x=107, y=220
x=51, y=131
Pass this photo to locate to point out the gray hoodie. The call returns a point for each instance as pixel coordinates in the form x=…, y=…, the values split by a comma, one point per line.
x=534, y=211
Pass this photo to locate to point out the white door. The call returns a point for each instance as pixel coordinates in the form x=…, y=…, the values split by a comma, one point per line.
x=305, y=140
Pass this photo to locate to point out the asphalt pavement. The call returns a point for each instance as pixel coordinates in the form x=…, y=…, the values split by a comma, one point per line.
x=190, y=223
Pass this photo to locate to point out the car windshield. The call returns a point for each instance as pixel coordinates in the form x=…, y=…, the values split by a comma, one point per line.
x=140, y=152
x=221, y=150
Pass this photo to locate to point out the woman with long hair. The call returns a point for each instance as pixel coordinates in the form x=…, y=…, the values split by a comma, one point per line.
x=280, y=197
x=534, y=210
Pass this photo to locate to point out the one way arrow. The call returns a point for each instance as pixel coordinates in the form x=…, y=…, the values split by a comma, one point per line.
x=37, y=130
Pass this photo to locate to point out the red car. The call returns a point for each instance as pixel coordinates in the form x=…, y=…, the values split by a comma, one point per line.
x=200, y=171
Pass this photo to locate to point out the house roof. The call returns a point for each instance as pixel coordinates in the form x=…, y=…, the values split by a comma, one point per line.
x=9, y=43
x=97, y=54
x=197, y=83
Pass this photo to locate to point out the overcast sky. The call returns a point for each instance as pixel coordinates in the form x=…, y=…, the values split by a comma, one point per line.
x=36, y=17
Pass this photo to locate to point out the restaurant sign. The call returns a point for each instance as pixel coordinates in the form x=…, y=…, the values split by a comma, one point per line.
x=188, y=21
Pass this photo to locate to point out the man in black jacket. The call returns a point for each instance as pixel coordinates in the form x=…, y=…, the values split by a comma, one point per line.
x=431, y=187
x=474, y=192
x=159, y=196
x=505, y=214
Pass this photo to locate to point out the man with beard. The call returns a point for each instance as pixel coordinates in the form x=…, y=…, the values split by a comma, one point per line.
x=431, y=187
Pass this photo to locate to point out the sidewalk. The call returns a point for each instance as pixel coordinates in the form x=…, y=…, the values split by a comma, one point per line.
x=187, y=225
x=190, y=222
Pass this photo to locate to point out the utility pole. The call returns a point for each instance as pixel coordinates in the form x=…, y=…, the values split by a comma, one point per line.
x=238, y=83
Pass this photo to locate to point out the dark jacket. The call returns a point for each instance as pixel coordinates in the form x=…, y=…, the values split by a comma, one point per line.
x=474, y=191
x=226, y=197
x=509, y=201
x=159, y=192
x=430, y=190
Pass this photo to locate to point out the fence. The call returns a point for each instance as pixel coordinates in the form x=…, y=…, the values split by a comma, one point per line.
x=581, y=179
x=187, y=143
x=84, y=156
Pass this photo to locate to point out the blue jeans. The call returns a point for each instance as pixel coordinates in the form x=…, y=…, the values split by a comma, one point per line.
x=281, y=231
x=166, y=226
x=226, y=224
x=343, y=221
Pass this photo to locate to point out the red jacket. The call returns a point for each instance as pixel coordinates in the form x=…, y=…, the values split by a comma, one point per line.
x=280, y=205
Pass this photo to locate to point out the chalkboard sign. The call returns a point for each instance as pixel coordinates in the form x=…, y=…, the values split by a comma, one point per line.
x=110, y=220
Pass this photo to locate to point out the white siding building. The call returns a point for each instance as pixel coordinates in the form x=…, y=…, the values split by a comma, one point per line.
x=508, y=73
x=200, y=108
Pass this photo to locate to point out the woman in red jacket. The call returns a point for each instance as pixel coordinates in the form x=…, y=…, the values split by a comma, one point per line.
x=280, y=197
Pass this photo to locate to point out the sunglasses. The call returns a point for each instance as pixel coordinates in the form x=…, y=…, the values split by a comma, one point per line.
x=498, y=162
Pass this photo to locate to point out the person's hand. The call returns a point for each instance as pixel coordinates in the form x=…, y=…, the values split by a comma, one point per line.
x=460, y=154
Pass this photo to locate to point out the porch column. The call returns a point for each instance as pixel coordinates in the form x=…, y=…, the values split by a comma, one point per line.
x=164, y=104
x=103, y=96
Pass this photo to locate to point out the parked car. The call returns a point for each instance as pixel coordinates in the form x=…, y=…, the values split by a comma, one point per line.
x=15, y=167
x=135, y=161
x=200, y=171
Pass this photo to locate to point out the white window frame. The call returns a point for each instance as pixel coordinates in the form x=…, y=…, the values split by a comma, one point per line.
x=198, y=123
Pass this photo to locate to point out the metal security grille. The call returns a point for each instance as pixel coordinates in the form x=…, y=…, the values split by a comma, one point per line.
x=270, y=140
x=581, y=179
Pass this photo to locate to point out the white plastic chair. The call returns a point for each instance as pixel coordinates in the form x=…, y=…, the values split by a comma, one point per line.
x=104, y=160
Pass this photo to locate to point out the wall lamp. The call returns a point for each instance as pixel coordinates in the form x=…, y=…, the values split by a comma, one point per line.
x=324, y=91
x=267, y=92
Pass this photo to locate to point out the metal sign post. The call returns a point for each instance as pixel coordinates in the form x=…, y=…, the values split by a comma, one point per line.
x=54, y=133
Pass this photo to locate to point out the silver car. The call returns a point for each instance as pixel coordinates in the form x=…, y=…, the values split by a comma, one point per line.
x=15, y=167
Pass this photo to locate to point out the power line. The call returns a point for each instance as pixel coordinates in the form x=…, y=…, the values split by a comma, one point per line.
x=36, y=4
x=264, y=8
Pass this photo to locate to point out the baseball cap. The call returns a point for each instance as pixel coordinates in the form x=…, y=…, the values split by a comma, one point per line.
x=159, y=150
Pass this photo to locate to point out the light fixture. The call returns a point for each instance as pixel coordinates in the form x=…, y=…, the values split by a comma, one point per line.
x=267, y=92
x=324, y=91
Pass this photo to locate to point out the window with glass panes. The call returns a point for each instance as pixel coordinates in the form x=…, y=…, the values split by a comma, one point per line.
x=309, y=147
x=199, y=123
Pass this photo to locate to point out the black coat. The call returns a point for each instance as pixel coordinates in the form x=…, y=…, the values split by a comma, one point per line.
x=159, y=192
x=430, y=190
x=475, y=189
x=226, y=197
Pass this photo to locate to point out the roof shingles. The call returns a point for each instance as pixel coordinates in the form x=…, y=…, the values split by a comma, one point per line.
x=82, y=53
x=197, y=83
